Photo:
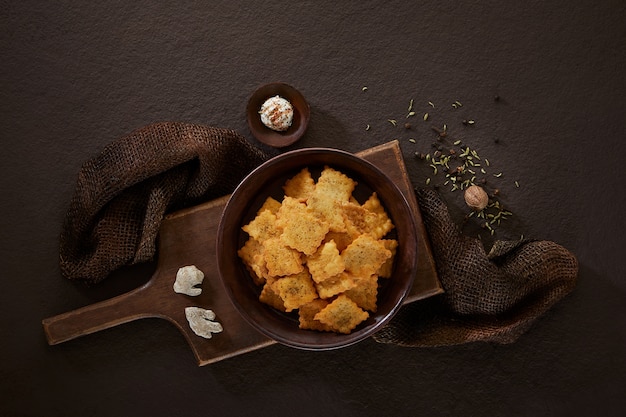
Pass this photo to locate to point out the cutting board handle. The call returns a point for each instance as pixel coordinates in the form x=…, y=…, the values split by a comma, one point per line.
x=99, y=316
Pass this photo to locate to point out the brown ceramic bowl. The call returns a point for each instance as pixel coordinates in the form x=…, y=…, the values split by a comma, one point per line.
x=301, y=114
x=267, y=180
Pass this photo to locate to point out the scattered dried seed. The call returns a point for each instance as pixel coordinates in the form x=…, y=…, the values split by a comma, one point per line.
x=367, y=127
x=393, y=122
x=412, y=140
x=463, y=173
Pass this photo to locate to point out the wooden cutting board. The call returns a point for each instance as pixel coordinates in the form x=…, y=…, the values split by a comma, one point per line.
x=188, y=237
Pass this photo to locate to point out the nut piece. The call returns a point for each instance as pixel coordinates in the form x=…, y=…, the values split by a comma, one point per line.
x=476, y=197
x=201, y=322
x=277, y=113
x=187, y=278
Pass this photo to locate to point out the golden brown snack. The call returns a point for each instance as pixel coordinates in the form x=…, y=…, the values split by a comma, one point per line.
x=342, y=315
x=386, y=269
x=252, y=256
x=295, y=290
x=326, y=262
x=270, y=204
x=320, y=251
x=270, y=297
x=335, y=285
x=280, y=259
x=301, y=229
x=365, y=293
x=301, y=186
x=364, y=256
x=306, y=316
x=263, y=226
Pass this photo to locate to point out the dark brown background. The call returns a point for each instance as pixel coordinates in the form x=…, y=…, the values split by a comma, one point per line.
x=76, y=75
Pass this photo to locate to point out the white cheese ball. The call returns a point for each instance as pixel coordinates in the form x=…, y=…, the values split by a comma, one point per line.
x=277, y=113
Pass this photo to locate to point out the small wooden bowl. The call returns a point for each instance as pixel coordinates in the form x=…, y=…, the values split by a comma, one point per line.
x=267, y=180
x=301, y=115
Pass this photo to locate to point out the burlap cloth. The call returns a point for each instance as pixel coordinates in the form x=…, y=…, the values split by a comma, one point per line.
x=123, y=193
x=493, y=296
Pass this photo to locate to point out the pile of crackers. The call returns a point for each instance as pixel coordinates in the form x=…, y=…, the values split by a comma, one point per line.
x=320, y=252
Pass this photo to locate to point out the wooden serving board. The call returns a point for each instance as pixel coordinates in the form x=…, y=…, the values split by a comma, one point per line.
x=188, y=237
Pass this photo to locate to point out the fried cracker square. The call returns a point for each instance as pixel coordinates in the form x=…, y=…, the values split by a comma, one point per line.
x=358, y=220
x=281, y=260
x=386, y=268
x=326, y=262
x=328, y=210
x=373, y=204
x=302, y=230
x=270, y=297
x=335, y=285
x=270, y=204
x=332, y=189
x=335, y=185
x=295, y=290
x=263, y=226
x=252, y=256
x=342, y=315
x=342, y=239
x=301, y=186
x=365, y=293
x=382, y=223
x=306, y=316
x=364, y=256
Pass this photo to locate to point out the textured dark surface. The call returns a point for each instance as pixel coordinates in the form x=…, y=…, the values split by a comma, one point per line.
x=74, y=77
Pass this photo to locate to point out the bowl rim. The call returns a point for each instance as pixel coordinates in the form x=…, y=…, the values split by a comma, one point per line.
x=341, y=340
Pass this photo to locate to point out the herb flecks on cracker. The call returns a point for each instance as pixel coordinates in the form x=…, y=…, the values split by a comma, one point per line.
x=342, y=315
x=320, y=252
